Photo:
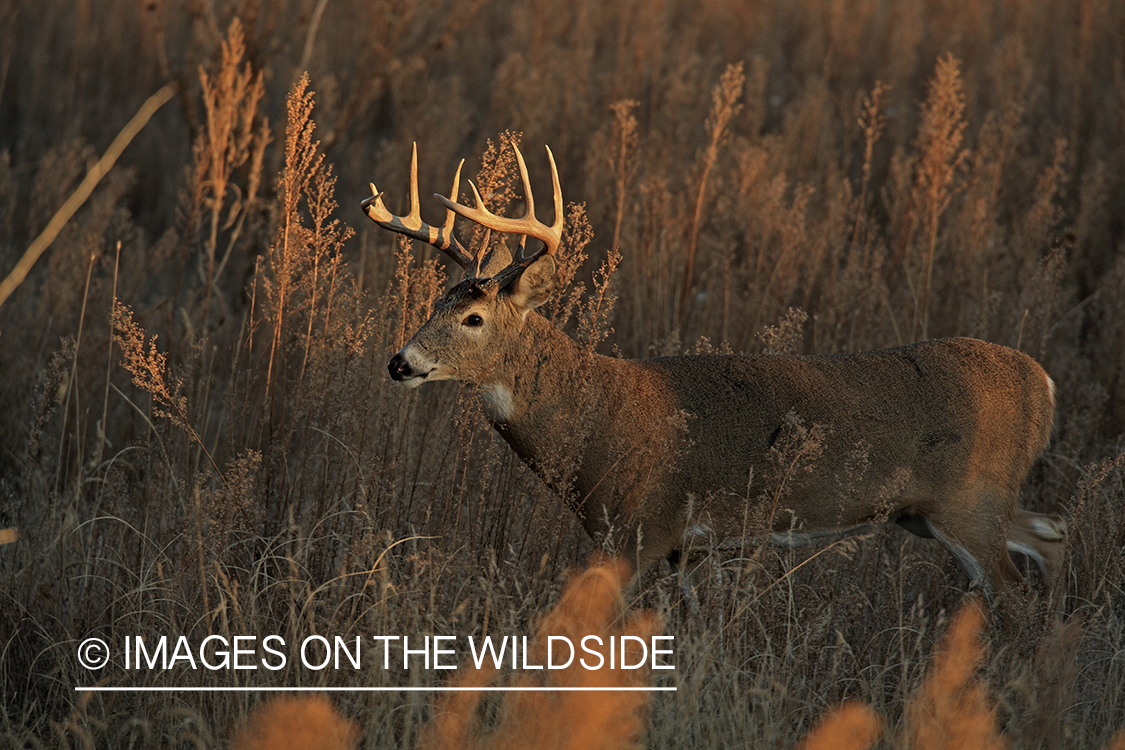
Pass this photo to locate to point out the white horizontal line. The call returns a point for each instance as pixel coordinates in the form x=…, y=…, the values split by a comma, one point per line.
x=415, y=689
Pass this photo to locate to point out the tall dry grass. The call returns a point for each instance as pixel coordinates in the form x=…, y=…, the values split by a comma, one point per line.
x=813, y=176
x=951, y=708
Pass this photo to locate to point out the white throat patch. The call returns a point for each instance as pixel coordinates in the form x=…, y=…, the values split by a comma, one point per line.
x=498, y=402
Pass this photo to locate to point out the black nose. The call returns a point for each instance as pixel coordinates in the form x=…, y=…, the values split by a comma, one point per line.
x=399, y=368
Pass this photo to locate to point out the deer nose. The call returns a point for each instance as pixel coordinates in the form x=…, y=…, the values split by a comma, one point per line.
x=399, y=368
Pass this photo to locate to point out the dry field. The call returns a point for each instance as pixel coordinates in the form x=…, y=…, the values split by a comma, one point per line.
x=198, y=435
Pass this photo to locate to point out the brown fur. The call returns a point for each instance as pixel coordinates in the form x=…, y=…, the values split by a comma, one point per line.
x=948, y=431
x=937, y=436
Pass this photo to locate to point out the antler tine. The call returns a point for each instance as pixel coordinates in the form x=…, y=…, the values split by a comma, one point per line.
x=415, y=216
x=529, y=199
x=451, y=216
x=412, y=225
x=483, y=249
x=528, y=225
x=557, y=227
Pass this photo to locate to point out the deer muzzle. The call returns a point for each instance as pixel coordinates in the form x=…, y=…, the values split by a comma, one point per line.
x=400, y=369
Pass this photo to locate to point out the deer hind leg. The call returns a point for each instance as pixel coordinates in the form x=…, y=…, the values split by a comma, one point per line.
x=686, y=577
x=695, y=552
x=975, y=533
x=1042, y=537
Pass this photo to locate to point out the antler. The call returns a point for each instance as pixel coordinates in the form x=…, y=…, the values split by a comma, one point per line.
x=412, y=225
x=528, y=226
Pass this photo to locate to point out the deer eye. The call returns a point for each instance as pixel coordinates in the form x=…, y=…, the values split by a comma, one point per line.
x=473, y=321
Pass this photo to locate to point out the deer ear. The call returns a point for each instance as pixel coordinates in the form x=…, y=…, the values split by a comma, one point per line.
x=534, y=286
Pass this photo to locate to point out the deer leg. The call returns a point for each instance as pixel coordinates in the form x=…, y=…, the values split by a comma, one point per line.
x=631, y=545
x=685, y=576
x=1042, y=537
x=975, y=533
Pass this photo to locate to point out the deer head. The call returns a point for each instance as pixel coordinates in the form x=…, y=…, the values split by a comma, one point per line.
x=473, y=327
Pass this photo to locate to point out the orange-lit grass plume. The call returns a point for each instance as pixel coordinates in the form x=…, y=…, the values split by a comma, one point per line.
x=952, y=708
x=292, y=723
x=1117, y=742
x=950, y=711
x=591, y=604
x=852, y=726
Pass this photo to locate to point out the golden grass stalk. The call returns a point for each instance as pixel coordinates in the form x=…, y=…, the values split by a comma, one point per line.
x=149, y=369
x=85, y=188
x=622, y=162
x=228, y=141
x=725, y=104
x=872, y=121
x=939, y=144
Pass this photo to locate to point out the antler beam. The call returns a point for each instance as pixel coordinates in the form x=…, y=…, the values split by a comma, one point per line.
x=412, y=225
x=528, y=226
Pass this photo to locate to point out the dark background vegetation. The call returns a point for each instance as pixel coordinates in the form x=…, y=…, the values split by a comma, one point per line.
x=811, y=176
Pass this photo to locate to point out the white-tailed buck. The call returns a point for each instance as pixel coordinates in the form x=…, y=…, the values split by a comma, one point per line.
x=936, y=436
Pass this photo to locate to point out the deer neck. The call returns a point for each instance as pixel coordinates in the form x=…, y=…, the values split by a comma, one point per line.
x=549, y=381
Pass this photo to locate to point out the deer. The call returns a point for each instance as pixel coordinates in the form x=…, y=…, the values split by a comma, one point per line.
x=663, y=453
